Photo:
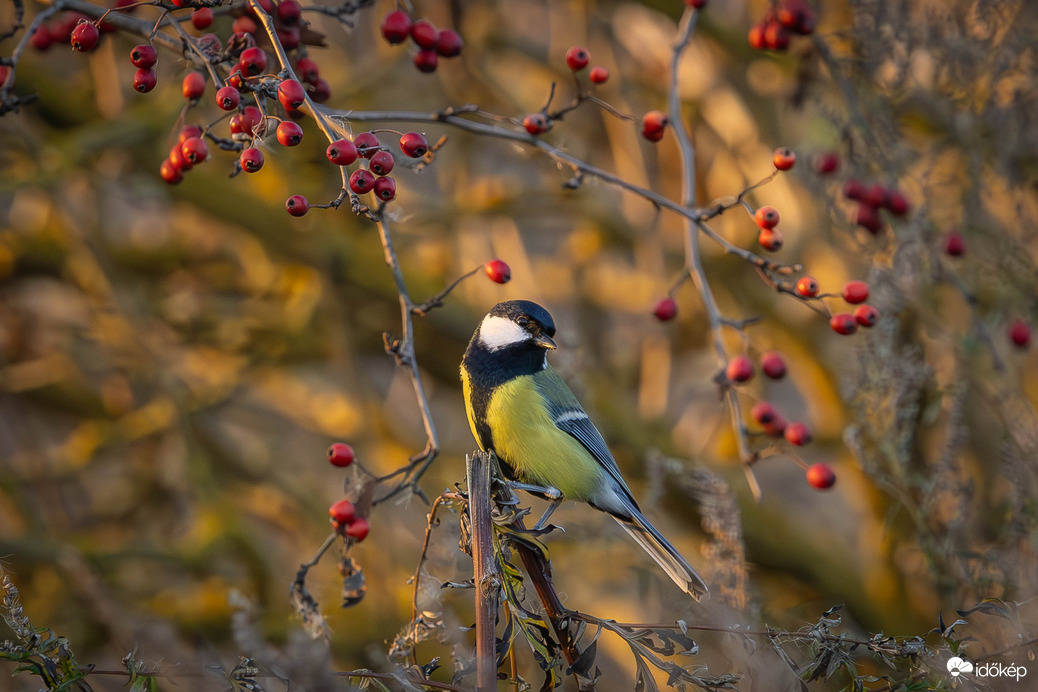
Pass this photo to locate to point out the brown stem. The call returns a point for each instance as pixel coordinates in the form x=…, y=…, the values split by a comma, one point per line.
x=486, y=574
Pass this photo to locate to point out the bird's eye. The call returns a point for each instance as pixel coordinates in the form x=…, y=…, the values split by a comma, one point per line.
x=523, y=322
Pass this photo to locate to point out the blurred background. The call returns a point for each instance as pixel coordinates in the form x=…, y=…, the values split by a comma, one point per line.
x=174, y=361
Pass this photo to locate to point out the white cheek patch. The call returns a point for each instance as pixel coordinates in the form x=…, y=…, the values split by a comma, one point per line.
x=497, y=333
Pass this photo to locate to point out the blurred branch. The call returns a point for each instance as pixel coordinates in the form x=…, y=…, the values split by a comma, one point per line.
x=486, y=573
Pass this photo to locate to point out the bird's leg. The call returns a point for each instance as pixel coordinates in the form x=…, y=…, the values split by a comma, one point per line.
x=553, y=495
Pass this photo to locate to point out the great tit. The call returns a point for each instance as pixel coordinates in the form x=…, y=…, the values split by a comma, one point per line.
x=521, y=409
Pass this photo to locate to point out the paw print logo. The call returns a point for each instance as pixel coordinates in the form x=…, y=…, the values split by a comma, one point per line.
x=957, y=666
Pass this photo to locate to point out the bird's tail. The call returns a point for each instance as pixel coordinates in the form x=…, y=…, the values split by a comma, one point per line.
x=666, y=555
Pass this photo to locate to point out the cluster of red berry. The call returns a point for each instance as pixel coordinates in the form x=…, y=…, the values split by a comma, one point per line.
x=343, y=514
x=577, y=58
x=432, y=43
x=853, y=293
x=782, y=20
x=872, y=198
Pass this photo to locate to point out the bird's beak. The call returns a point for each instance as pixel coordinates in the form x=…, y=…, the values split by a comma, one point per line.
x=545, y=341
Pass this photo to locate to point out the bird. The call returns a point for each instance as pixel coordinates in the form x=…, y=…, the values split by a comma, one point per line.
x=521, y=409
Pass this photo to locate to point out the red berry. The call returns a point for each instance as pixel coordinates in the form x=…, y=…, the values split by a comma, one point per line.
x=767, y=217
x=773, y=365
x=342, y=514
x=577, y=58
x=1020, y=333
x=291, y=94
x=144, y=56
x=358, y=529
x=195, y=150
x=144, y=80
x=289, y=133
x=413, y=144
x=536, y=123
x=853, y=189
x=426, y=60
x=874, y=196
x=696, y=4
x=252, y=120
x=666, y=309
x=654, y=125
x=236, y=80
x=194, y=85
x=497, y=271
x=40, y=38
x=367, y=144
x=868, y=218
x=244, y=24
x=807, y=286
x=449, y=43
x=820, y=476
x=763, y=412
x=826, y=163
x=341, y=152
x=796, y=15
x=776, y=36
x=855, y=292
x=784, y=158
x=425, y=34
x=954, y=244
x=320, y=90
x=169, y=173
x=187, y=132
x=253, y=61
x=843, y=323
x=770, y=239
x=382, y=163
x=599, y=75
x=85, y=37
x=396, y=27
x=896, y=203
x=228, y=98
x=201, y=18
x=289, y=12
x=307, y=70
x=866, y=315
x=740, y=369
x=177, y=158
x=776, y=426
x=385, y=188
x=362, y=181
x=251, y=160
x=755, y=37
x=798, y=434
x=340, y=454
x=297, y=205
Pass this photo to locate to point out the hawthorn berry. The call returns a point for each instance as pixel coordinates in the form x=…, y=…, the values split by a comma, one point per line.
x=320, y=90
x=85, y=36
x=598, y=75
x=253, y=61
x=577, y=58
x=40, y=38
x=807, y=286
x=342, y=514
x=382, y=163
x=289, y=133
x=385, y=188
x=425, y=34
x=341, y=152
x=144, y=80
x=843, y=323
x=770, y=239
x=358, y=529
x=340, y=454
x=896, y=203
x=954, y=244
x=413, y=144
x=773, y=365
x=307, y=70
x=251, y=160
x=169, y=173
x=5, y=72
x=426, y=60
x=784, y=158
x=396, y=27
x=194, y=85
x=1020, y=333
x=798, y=434
x=696, y=4
x=297, y=205
x=144, y=56
x=177, y=158
x=187, y=132
x=498, y=271
x=776, y=426
x=855, y=292
x=195, y=150
x=820, y=476
x=253, y=121
x=291, y=94
x=367, y=144
x=868, y=218
x=228, y=98
x=776, y=36
x=244, y=24
x=536, y=123
x=875, y=195
x=767, y=217
x=449, y=43
x=826, y=163
x=797, y=16
x=235, y=79
x=866, y=315
x=755, y=37
x=202, y=18
x=740, y=369
x=853, y=189
x=763, y=412
x=289, y=12
x=362, y=181
x=654, y=125
x=666, y=309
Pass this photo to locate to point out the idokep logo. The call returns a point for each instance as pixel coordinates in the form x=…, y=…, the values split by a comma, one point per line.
x=959, y=666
